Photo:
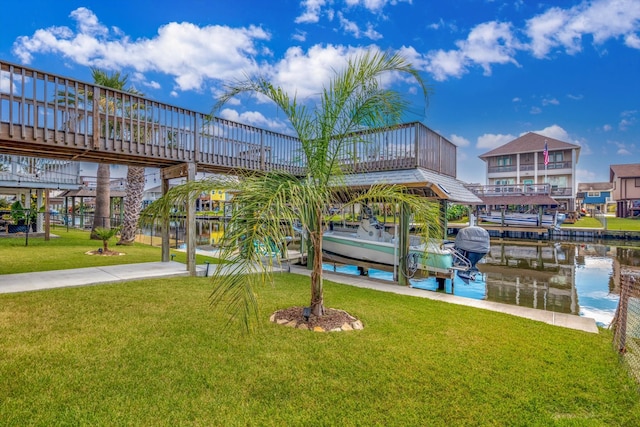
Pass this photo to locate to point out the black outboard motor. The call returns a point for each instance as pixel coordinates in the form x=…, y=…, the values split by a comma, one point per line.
x=472, y=243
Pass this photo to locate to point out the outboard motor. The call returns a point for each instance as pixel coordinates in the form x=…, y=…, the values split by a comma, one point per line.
x=472, y=243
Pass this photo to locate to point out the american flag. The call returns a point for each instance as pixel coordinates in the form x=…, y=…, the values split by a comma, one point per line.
x=545, y=153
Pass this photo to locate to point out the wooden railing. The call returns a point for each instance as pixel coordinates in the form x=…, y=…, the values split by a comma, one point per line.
x=50, y=116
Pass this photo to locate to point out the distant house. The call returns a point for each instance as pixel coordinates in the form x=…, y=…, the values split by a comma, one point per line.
x=214, y=200
x=523, y=162
x=595, y=196
x=626, y=189
x=150, y=195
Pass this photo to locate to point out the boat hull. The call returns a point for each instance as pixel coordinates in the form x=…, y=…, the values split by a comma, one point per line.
x=523, y=220
x=348, y=245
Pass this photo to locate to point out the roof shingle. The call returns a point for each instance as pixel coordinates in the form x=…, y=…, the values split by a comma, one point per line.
x=529, y=143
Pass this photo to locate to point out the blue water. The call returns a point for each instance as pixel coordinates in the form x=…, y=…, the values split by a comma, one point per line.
x=563, y=277
x=474, y=289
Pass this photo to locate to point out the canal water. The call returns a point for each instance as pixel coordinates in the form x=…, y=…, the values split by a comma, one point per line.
x=575, y=278
x=578, y=278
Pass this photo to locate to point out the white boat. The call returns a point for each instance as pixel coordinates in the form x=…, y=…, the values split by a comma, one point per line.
x=524, y=219
x=372, y=243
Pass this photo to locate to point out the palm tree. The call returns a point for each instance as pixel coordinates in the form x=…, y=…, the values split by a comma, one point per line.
x=132, y=205
x=104, y=234
x=133, y=197
x=353, y=100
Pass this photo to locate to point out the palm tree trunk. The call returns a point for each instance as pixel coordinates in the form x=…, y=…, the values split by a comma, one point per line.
x=317, y=294
x=102, y=216
x=132, y=205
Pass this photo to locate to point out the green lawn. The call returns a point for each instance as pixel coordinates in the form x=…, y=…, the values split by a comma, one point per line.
x=155, y=353
x=583, y=222
x=68, y=250
x=623, y=224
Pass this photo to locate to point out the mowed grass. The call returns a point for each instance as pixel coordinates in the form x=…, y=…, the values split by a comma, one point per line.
x=613, y=223
x=583, y=222
x=623, y=224
x=154, y=353
x=68, y=250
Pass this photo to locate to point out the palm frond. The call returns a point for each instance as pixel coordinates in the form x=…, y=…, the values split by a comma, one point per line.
x=265, y=206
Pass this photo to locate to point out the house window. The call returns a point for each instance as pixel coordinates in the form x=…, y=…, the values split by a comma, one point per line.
x=505, y=181
x=504, y=161
x=593, y=194
x=527, y=181
x=558, y=181
x=557, y=157
x=637, y=182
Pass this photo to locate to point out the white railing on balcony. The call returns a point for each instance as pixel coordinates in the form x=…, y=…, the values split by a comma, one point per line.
x=34, y=170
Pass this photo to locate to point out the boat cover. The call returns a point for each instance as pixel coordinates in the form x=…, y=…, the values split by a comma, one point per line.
x=473, y=239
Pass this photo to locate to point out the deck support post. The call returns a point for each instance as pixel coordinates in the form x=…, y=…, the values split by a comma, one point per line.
x=403, y=244
x=191, y=223
x=164, y=228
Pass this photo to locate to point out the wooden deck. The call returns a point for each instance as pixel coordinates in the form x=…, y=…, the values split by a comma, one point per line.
x=50, y=116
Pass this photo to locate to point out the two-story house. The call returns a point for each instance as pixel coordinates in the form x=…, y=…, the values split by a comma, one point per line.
x=626, y=189
x=536, y=159
x=595, y=196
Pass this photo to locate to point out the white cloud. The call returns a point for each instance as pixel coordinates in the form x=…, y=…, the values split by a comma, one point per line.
x=489, y=141
x=190, y=53
x=633, y=41
x=5, y=84
x=305, y=73
x=555, y=132
x=459, y=140
x=487, y=44
x=351, y=27
x=607, y=128
x=601, y=19
x=254, y=118
x=585, y=175
x=550, y=101
x=535, y=110
x=311, y=12
x=299, y=36
x=374, y=6
x=628, y=119
x=492, y=42
x=443, y=64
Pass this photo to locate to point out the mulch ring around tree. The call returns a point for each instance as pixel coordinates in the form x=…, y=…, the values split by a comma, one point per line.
x=104, y=253
x=333, y=320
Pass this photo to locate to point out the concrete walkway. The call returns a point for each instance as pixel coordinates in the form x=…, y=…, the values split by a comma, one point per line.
x=24, y=282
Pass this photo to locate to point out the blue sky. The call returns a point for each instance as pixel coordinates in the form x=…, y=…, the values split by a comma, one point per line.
x=567, y=69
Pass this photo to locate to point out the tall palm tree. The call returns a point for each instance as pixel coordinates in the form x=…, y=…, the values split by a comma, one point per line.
x=353, y=100
x=133, y=197
x=132, y=205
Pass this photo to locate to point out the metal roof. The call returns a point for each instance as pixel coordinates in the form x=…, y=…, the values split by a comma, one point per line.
x=445, y=187
x=90, y=192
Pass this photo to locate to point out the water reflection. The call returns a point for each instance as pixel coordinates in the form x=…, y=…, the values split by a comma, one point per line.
x=579, y=279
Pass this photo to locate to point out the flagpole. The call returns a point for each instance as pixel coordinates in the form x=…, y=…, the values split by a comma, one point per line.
x=546, y=162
